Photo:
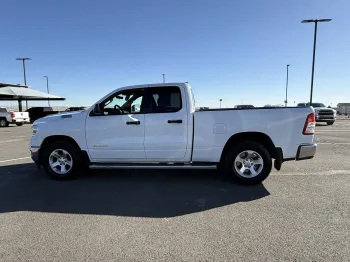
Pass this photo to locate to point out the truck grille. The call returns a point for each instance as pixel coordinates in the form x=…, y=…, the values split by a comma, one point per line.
x=325, y=113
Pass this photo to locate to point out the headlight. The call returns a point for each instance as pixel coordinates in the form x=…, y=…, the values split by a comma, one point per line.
x=34, y=129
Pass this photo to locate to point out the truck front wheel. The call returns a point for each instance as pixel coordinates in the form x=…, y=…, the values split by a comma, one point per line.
x=329, y=123
x=62, y=160
x=19, y=124
x=248, y=163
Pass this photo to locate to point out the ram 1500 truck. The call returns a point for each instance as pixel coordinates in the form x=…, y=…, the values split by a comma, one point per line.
x=10, y=117
x=156, y=126
x=322, y=113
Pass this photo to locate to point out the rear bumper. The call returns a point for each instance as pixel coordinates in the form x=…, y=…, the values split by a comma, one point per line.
x=34, y=152
x=24, y=120
x=306, y=151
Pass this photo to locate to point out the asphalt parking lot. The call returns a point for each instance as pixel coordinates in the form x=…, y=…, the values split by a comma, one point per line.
x=301, y=213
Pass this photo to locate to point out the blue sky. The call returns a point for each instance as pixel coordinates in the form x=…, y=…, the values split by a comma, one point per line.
x=234, y=50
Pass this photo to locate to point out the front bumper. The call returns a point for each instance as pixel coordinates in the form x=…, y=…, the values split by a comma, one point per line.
x=324, y=118
x=306, y=151
x=34, y=151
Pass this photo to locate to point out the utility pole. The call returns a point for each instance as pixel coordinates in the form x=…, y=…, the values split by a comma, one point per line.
x=286, y=101
x=163, y=78
x=220, y=102
x=314, y=51
x=23, y=59
x=47, y=88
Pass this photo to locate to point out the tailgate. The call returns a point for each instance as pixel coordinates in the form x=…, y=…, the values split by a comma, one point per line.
x=21, y=115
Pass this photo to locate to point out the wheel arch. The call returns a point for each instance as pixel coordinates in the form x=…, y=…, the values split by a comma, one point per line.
x=259, y=137
x=50, y=139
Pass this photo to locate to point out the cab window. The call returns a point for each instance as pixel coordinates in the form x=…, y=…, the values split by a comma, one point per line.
x=124, y=102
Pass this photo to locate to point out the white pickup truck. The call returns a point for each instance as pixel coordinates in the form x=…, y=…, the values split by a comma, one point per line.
x=10, y=117
x=156, y=126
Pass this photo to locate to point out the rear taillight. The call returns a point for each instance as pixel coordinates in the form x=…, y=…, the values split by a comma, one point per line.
x=12, y=115
x=310, y=124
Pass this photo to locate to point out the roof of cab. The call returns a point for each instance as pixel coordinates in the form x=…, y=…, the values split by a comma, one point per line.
x=154, y=85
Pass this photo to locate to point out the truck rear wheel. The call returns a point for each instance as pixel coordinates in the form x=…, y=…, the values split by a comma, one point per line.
x=62, y=160
x=19, y=124
x=248, y=163
x=4, y=122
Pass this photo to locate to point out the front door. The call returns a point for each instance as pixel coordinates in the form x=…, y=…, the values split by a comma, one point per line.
x=116, y=133
x=166, y=124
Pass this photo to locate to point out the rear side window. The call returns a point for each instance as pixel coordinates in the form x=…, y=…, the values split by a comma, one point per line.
x=165, y=99
x=3, y=110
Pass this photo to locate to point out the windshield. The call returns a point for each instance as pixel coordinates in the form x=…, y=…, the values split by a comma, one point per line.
x=313, y=105
x=318, y=105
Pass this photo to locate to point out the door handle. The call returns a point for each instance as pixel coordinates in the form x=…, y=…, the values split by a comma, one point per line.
x=133, y=122
x=177, y=121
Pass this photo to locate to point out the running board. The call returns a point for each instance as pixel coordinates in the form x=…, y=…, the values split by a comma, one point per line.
x=157, y=166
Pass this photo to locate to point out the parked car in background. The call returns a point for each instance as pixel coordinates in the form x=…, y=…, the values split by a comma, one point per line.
x=156, y=126
x=244, y=106
x=10, y=117
x=36, y=113
x=202, y=108
x=322, y=113
x=75, y=108
x=273, y=106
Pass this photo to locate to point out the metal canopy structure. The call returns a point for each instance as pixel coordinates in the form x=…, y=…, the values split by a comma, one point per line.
x=11, y=92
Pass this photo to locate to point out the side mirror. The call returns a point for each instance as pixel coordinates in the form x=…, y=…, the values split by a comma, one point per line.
x=97, y=110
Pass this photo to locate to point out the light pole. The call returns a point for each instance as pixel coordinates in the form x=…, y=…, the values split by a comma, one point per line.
x=163, y=78
x=220, y=102
x=47, y=88
x=23, y=59
x=286, y=101
x=314, y=51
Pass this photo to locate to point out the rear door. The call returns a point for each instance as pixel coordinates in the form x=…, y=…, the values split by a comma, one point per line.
x=166, y=124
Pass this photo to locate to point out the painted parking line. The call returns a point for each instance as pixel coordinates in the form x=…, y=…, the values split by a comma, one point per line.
x=321, y=173
x=11, y=140
x=335, y=143
x=14, y=159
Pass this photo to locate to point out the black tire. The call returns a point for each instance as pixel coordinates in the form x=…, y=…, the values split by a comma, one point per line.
x=19, y=124
x=4, y=122
x=77, y=166
x=229, y=161
x=330, y=123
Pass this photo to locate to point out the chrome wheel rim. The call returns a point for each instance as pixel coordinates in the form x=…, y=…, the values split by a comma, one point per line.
x=2, y=123
x=249, y=164
x=61, y=162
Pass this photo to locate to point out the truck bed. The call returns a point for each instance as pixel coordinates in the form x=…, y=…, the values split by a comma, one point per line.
x=213, y=128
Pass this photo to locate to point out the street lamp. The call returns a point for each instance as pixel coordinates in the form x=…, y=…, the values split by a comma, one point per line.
x=23, y=59
x=313, y=56
x=286, y=101
x=47, y=88
x=163, y=78
x=220, y=102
